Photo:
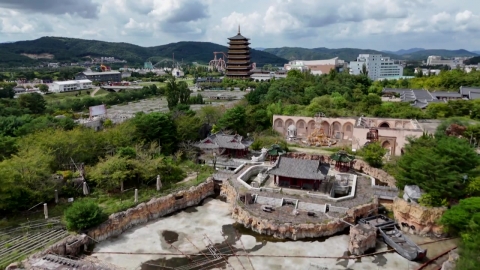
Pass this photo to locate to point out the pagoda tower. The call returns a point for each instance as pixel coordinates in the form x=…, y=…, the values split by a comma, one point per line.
x=238, y=64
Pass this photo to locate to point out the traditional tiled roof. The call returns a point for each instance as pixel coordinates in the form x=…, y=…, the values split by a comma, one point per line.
x=342, y=156
x=440, y=94
x=220, y=140
x=419, y=98
x=299, y=168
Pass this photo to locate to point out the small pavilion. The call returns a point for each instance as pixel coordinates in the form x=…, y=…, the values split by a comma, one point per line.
x=274, y=152
x=343, y=161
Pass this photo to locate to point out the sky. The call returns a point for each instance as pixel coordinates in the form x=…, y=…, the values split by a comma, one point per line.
x=369, y=24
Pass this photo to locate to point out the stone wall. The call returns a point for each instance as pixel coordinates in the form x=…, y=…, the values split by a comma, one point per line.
x=281, y=230
x=417, y=219
x=358, y=165
x=157, y=207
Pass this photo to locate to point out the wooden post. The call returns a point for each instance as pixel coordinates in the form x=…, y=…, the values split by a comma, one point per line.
x=45, y=210
x=121, y=186
x=136, y=195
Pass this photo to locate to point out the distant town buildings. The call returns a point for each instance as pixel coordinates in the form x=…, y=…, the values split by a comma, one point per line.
x=238, y=64
x=107, y=76
x=316, y=66
x=434, y=60
x=65, y=86
x=377, y=67
x=265, y=75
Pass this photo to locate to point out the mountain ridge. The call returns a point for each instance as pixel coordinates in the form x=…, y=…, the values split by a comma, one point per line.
x=72, y=49
x=350, y=54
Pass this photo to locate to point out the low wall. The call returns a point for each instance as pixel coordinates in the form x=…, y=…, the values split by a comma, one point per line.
x=288, y=230
x=157, y=207
x=358, y=165
x=416, y=219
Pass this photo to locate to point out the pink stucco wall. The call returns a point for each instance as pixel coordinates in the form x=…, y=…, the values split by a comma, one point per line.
x=393, y=133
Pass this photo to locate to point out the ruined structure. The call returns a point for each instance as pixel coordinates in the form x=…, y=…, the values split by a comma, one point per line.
x=417, y=219
x=362, y=238
x=238, y=64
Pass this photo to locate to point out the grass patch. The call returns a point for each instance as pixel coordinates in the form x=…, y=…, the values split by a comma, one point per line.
x=65, y=95
x=54, y=210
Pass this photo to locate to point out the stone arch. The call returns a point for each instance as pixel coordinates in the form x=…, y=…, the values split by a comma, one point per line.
x=301, y=124
x=348, y=130
x=398, y=124
x=326, y=127
x=384, y=125
x=289, y=122
x=278, y=123
x=336, y=128
x=311, y=126
x=388, y=146
x=301, y=128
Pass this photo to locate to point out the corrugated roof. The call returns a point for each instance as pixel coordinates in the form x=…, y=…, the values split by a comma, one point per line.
x=299, y=168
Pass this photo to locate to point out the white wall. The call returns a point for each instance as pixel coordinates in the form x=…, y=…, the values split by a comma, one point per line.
x=377, y=66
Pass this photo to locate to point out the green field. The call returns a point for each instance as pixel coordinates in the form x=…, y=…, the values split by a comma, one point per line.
x=65, y=95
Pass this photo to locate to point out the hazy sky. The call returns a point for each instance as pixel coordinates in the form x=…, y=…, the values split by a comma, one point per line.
x=375, y=24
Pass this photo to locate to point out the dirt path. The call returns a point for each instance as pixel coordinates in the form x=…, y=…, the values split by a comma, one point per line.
x=188, y=178
x=94, y=92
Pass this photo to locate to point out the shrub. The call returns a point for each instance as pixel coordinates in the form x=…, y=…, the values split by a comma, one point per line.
x=83, y=214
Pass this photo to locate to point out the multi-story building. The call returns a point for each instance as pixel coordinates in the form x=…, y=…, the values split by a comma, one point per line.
x=238, y=64
x=377, y=66
x=106, y=76
x=66, y=86
x=316, y=66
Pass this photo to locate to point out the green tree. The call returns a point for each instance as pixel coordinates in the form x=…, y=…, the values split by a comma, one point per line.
x=33, y=102
x=172, y=92
x=188, y=128
x=109, y=173
x=83, y=214
x=437, y=166
x=43, y=88
x=373, y=154
x=234, y=119
x=156, y=127
x=184, y=92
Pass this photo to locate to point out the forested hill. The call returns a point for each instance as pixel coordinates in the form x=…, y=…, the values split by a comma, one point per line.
x=72, y=49
x=350, y=54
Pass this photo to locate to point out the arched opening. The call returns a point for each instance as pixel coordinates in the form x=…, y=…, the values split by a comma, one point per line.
x=289, y=122
x=326, y=127
x=301, y=124
x=348, y=130
x=279, y=123
x=386, y=145
x=337, y=130
x=311, y=127
x=384, y=125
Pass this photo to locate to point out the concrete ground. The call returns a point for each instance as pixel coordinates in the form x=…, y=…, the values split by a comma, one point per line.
x=160, y=104
x=212, y=219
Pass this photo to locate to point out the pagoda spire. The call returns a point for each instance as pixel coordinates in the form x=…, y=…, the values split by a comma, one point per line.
x=239, y=29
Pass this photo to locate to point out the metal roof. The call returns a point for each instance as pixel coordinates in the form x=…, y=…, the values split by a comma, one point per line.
x=299, y=168
x=466, y=90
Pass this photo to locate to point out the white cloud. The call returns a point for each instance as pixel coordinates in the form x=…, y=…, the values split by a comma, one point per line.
x=376, y=24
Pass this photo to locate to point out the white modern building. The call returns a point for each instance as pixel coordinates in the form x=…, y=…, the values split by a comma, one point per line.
x=316, y=66
x=378, y=66
x=66, y=86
